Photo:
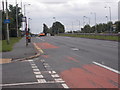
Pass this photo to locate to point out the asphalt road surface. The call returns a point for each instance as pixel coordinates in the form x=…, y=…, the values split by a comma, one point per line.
x=66, y=62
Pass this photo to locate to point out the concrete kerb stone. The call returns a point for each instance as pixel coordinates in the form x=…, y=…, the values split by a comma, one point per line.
x=31, y=57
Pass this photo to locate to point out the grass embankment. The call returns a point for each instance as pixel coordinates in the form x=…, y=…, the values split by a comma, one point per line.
x=8, y=47
x=101, y=37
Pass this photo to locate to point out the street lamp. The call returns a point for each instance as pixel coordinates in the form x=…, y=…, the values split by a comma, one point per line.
x=84, y=21
x=110, y=15
x=26, y=28
x=109, y=11
x=79, y=24
x=106, y=18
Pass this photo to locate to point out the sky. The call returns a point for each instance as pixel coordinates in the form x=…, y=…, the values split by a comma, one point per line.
x=69, y=12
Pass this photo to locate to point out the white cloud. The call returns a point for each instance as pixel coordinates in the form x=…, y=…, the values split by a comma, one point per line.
x=67, y=11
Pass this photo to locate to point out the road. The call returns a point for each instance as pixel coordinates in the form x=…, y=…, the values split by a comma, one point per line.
x=66, y=62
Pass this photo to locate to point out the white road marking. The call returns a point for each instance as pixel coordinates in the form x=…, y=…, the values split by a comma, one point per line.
x=15, y=84
x=37, y=72
x=34, y=67
x=75, y=49
x=55, y=76
x=65, y=86
x=52, y=72
x=39, y=76
x=59, y=80
x=30, y=60
x=41, y=80
x=28, y=83
x=113, y=70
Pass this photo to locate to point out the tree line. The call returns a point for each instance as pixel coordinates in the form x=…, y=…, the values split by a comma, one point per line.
x=12, y=11
x=110, y=27
x=56, y=28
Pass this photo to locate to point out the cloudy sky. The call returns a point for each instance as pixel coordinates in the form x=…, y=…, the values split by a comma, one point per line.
x=68, y=12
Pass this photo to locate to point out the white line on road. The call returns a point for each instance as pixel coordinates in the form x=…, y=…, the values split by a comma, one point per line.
x=65, y=86
x=113, y=70
x=43, y=81
x=15, y=84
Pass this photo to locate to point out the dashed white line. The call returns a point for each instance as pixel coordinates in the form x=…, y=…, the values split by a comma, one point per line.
x=55, y=76
x=41, y=80
x=30, y=60
x=113, y=70
x=39, y=76
x=34, y=67
x=15, y=84
x=59, y=80
x=65, y=86
x=37, y=72
x=52, y=72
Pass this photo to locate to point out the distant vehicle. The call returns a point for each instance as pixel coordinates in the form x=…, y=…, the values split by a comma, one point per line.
x=41, y=34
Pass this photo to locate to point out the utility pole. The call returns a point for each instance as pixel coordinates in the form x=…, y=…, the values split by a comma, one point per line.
x=110, y=17
x=17, y=19
x=8, y=39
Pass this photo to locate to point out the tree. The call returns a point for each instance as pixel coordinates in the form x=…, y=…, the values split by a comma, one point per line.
x=45, y=29
x=57, y=27
x=86, y=29
x=117, y=24
x=12, y=16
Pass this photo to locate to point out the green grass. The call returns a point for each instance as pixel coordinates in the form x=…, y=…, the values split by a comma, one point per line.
x=8, y=47
x=102, y=37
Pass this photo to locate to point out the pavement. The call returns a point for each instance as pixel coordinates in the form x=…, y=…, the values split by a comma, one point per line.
x=19, y=52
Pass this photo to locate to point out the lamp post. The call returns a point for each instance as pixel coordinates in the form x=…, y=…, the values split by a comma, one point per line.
x=110, y=16
x=84, y=21
x=8, y=39
x=26, y=24
x=17, y=19
x=79, y=24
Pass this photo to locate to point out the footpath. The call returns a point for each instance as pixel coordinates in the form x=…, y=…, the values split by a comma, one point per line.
x=19, y=52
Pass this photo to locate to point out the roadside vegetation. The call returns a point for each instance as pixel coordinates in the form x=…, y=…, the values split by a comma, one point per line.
x=8, y=47
x=101, y=37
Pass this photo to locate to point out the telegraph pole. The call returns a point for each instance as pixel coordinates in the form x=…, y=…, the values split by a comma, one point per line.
x=8, y=39
x=17, y=19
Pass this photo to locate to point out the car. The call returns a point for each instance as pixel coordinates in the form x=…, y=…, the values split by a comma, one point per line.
x=41, y=34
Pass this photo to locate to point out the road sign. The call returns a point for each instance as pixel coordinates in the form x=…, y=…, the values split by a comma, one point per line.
x=7, y=21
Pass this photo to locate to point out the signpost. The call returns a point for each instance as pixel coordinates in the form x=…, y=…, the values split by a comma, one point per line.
x=7, y=21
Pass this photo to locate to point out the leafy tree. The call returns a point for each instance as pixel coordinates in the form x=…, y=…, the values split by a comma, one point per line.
x=12, y=17
x=86, y=29
x=117, y=24
x=57, y=27
x=45, y=29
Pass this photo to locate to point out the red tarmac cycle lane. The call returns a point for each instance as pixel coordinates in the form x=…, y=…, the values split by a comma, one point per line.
x=90, y=76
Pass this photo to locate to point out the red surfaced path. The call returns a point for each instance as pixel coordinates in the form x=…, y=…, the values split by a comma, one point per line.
x=45, y=45
x=90, y=76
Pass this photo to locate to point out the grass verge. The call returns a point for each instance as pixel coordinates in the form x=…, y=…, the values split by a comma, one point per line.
x=101, y=37
x=8, y=47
